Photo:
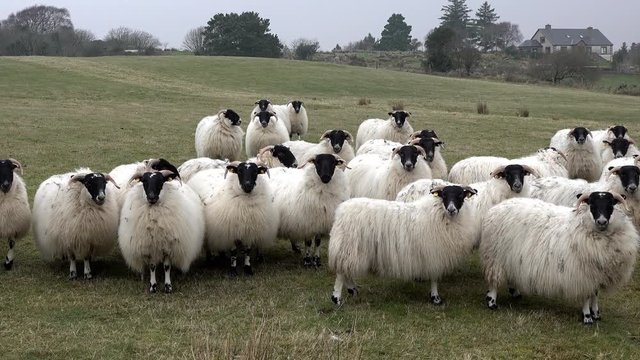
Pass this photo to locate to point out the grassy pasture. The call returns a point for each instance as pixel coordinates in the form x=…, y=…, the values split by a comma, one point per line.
x=61, y=113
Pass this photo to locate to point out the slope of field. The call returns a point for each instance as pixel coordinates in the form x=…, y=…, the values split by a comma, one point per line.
x=57, y=114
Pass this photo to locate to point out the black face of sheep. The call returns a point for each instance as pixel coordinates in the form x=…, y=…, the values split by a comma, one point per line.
x=247, y=174
x=162, y=164
x=264, y=117
x=580, y=134
x=326, y=165
x=6, y=175
x=601, y=206
x=429, y=146
x=629, y=176
x=337, y=139
x=618, y=131
x=513, y=175
x=619, y=146
x=285, y=156
x=399, y=117
x=263, y=104
x=426, y=133
x=152, y=182
x=296, y=105
x=453, y=197
x=408, y=156
x=233, y=117
x=95, y=183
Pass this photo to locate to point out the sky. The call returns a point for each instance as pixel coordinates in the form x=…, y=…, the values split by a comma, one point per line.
x=334, y=22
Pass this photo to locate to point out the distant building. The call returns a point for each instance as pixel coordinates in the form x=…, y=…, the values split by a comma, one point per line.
x=549, y=40
x=132, y=51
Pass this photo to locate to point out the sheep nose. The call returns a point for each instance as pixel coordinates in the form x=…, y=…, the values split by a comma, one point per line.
x=408, y=166
x=294, y=165
x=602, y=223
x=618, y=155
x=325, y=178
x=517, y=187
x=100, y=199
x=580, y=140
x=5, y=187
x=430, y=157
x=452, y=209
x=337, y=148
x=632, y=188
x=247, y=187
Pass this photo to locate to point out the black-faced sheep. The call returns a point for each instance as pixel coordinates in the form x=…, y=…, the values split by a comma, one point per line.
x=15, y=215
x=396, y=128
x=294, y=117
x=263, y=130
x=220, y=136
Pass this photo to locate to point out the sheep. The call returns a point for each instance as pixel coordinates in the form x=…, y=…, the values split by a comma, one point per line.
x=617, y=148
x=546, y=162
x=426, y=239
x=557, y=251
x=419, y=189
x=432, y=146
x=261, y=105
x=613, y=132
x=634, y=160
x=191, y=167
x=239, y=210
x=263, y=130
x=121, y=174
x=507, y=181
x=74, y=218
x=379, y=147
x=15, y=214
x=293, y=116
x=370, y=176
x=333, y=141
x=396, y=128
x=583, y=158
x=307, y=198
x=220, y=136
x=162, y=221
x=475, y=169
x=273, y=156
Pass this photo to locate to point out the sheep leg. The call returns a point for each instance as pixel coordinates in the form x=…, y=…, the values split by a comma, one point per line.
x=307, y=260
x=8, y=262
x=167, y=276
x=492, y=298
x=233, y=272
x=515, y=294
x=352, y=289
x=87, y=268
x=153, y=285
x=435, y=297
x=587, y=319
x=295, y=247
x=73, y=274
x=316, y=257
x=336, y=296
x=247, y=260
x=595, y=311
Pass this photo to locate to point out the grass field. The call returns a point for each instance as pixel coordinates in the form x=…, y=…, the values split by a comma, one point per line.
x=61, y=113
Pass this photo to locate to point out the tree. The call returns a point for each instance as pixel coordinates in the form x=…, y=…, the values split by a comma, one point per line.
x=366, y=44
x=562, y=65
x=123, y=38
x=396, y=34
x=304, y=49
x=466, y=57
x=415, y=44
x=455, y=16
x=194, y=41
x=337, y=48
x=40, y=19
x=620, y=56
x=440, y=43
x=36, y=30
x=246, y=34
x=507, y=34
x=484, y=25
x=486, y=15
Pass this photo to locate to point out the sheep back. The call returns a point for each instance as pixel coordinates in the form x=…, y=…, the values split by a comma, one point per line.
x=218, y=139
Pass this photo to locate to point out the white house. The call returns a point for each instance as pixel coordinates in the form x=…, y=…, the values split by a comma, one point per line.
x=549, y=40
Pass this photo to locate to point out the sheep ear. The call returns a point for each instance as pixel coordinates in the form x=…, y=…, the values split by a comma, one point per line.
x=263, y=170
x=499, y=175
x=436, y=193
x=232, y=168
x=469, y=192
x=606, y=142
x=390, y=113
x=77, y=178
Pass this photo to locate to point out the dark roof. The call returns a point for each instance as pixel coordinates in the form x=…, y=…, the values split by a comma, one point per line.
x=570, y=37
x=530, y=43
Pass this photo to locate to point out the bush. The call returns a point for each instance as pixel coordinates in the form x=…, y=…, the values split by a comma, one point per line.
x=522, y=112
x=624, y=89
x=364, y=101
x=482, y=108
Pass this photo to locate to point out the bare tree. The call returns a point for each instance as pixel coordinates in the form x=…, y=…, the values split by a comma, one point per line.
x=304, y=49
x=40, y=19
x=194, y=40
x=562, y=65
x=125, y=38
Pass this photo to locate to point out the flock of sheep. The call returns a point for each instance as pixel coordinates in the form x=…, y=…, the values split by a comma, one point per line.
x=562, y=222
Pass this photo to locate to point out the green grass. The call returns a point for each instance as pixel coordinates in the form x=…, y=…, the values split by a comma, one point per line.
x=61, y=113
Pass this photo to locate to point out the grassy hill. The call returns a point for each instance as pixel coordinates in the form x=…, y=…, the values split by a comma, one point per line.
x=61, y=113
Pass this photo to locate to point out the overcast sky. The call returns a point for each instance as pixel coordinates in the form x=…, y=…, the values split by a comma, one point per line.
x=334, y=22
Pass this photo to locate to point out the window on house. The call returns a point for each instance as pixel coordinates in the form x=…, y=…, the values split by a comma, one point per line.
x=563, y=48
x=547, y=49
x=541, y=39
x=603, y=50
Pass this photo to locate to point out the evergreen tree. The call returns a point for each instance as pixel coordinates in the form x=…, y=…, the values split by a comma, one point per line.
x=484, y=29
x=486, y=15
x=455, y=16
x=396, y=34
x=246, y=34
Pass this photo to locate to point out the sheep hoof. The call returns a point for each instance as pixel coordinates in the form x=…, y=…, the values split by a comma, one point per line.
x=88, y=276
x=316, y=261
x=8, y=264
x=336, y=300
x=168, y=289
x=587, y=319
x=153, y=288
x=515, y=294
x=306, y=261
x=233, y=272
x=73, y=275
x=491, y=303
x=353, y=291
x=436, y=300
x=596, y=315
x=248, y=270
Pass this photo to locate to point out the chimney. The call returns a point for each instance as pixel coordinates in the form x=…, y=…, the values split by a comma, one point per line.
x=547, y=27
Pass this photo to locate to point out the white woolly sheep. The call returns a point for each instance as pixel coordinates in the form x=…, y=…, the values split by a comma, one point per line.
x=331, y=142
x=261, y=105
x=263, y=130
x=475, y=169
x=307, y=198
x=546, y=162
x=424, y=239
x=507, y=181
x=121, y=174
x=274, y=156
x=15, y=215
x=613, y=132
x=556, y=251
x=75, y=218
x=191, y=167
x=396, y=128
x=294, y=116
x=583, y=159
x=380, y=147
x=162, y=222
x=617, y=148
x=432, y=146
x=220, y=136
x=370, y=176
x=419, y=189
x=239, y=210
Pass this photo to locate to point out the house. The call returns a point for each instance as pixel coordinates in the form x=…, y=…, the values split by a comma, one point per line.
x=549, y=40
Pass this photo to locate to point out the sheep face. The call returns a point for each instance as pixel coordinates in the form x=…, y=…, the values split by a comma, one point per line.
x=296, y=104
x=426, y=133
x=618, y=131
x=453, y=197
x=247, y=174
x=284, y=155
x=601, y=206
x=7, y=167
x=233, y=117
x=263, y=104
x=337, y=139
x=399, y=117
x=264, y=117
x=162, y=164
x=629, y=176
x=326, y=165
x=95, y=183
x=619, y=146
x=408, y=156
x=580, y=134
x=152, y=182
x=513, y=175
x=429, y=145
